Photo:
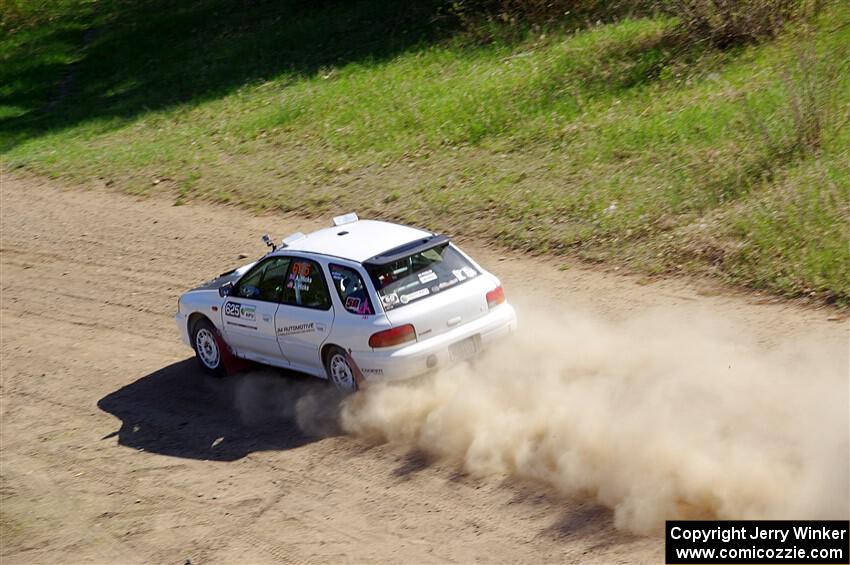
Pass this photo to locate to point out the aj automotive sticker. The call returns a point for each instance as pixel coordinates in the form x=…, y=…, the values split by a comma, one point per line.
x=304, y=328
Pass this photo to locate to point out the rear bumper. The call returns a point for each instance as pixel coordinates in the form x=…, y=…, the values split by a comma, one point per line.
x=433, y=353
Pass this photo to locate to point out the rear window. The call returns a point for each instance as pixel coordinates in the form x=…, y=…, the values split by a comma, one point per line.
x=420, y=275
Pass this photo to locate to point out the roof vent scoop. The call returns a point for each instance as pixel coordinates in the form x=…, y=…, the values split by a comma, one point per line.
x=345, y=219
x=287, y=241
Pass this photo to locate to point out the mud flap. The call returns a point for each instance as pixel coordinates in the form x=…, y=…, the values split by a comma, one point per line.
x=231, y=363
x=358, y=375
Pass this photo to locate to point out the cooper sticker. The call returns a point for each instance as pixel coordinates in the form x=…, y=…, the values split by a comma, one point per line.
x=427, y=276
x=304, y=328
x=372, y=371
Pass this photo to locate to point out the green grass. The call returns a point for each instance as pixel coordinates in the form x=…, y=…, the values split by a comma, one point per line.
x=619, y=142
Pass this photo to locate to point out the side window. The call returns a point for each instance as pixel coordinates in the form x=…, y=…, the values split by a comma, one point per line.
x=265, y=281
x=352, y=292
x=305, y=286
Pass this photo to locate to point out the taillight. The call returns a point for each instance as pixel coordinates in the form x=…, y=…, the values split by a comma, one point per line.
x=393, y=336
x=495, y=297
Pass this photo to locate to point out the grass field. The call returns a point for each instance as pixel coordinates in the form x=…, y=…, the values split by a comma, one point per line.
x=617, y=141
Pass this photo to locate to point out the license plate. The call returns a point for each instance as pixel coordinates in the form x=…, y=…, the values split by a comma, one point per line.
x=464, y=349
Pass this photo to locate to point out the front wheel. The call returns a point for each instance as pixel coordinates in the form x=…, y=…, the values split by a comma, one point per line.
x=340, y=371
x=207, y=347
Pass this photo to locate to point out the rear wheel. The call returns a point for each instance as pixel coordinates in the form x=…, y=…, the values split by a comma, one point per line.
x=339, y=370
x=207, y=347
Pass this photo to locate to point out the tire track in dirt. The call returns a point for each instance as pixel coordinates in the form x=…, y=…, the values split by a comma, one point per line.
x=100, y=409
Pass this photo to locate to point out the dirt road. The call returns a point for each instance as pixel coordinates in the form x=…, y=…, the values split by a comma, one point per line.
x=116, y=449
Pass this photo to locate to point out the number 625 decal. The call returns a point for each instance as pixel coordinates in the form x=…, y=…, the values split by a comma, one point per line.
x=232, y=309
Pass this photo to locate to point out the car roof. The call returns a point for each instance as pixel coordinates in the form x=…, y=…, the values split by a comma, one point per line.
x=356, y=241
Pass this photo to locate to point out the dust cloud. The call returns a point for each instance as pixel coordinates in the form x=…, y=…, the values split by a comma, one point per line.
x=263, y=398
x=657, y=417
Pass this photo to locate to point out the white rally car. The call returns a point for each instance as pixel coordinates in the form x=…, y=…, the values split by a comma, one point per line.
x=357, y=301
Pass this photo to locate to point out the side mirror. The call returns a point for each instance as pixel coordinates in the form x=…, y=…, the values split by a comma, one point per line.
x=225, y=289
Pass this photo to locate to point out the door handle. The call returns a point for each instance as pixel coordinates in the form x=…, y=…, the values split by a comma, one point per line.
x=454, y=321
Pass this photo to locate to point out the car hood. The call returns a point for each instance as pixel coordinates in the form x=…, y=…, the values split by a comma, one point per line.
x=224, y=278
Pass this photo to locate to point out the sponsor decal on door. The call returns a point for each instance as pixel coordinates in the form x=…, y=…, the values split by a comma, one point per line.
x=237, y=310
x=306, y=327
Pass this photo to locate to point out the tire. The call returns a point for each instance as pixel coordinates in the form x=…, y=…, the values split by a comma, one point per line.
x=208, y=348
x=339, y=370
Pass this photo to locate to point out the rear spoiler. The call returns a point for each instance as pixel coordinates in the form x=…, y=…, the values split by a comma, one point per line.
x=402, y=251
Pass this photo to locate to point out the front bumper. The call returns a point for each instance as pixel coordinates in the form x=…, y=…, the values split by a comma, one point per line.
x=183, y=328
x=433, y=353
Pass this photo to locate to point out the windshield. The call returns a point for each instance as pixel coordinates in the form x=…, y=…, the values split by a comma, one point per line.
x=419, y=275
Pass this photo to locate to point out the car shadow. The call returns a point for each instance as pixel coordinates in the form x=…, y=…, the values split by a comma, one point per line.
x=181, y=412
